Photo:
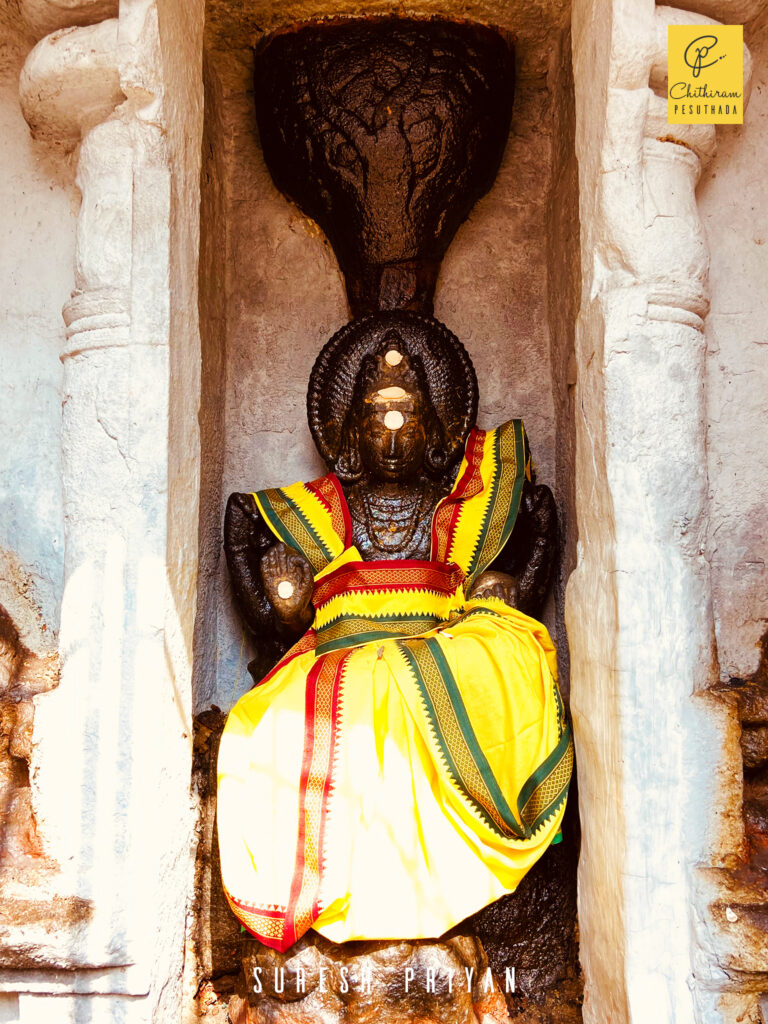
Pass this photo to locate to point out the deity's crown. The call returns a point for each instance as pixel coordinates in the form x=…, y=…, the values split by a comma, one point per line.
x=392, y=368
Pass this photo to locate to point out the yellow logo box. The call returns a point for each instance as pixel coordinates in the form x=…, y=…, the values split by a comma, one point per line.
x=706, y=74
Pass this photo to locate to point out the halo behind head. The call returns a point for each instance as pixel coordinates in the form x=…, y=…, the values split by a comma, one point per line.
x=448, y=370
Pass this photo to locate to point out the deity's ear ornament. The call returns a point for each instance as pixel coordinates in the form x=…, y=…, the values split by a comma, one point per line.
x=448, y=372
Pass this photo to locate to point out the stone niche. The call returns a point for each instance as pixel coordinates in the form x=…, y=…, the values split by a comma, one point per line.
x=271, y=294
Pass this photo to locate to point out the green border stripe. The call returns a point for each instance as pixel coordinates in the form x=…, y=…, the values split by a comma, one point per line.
x=369, y=636
x=475, y=750
x=480, y=543
x=308, y=525
x=514, y=498
x=539, y=776
x=274, y=520
x=517, y=487
x=452, y=769
x=547, y=766
x=279, y=527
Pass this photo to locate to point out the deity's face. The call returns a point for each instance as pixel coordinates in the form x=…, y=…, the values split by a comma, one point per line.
x=392, y=430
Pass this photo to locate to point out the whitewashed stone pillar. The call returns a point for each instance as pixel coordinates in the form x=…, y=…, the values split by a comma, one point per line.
x=112, y=762
x=658, y=760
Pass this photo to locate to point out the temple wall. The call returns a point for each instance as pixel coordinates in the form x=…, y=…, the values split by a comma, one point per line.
x=731, y=198
x=668, y=277
x=93, y=918
x=40, y=204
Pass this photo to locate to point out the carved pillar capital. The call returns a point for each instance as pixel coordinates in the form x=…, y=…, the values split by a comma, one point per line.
x=71, y=82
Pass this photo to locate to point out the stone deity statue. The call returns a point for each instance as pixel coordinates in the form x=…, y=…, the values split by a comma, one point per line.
x=404, y=757
x=411, y=732
x=394, y=466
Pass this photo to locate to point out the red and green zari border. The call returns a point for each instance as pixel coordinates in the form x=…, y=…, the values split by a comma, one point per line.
x=290, y=523
x=353, y=630
x=277, y=926
x=446, y=515
x=500, y=456
x=543, y=793
x=506, y=490
x=372, y=577
x=329, y=491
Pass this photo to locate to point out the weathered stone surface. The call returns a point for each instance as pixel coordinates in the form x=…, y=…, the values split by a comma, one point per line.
x=71, y=82
x=754, y=746
x=753, y=700
x=361, y=983
x=44, y=16
x=213, y=939
x=734, y=214
x=533, y=929
x=534, y=23
x=728, y=11
x=756, y=813
x=109, y=808
x=23, y=674
x=639, y=609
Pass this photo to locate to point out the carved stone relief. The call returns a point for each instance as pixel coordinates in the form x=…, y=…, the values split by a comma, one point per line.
x=386, y=132
x=634, y=652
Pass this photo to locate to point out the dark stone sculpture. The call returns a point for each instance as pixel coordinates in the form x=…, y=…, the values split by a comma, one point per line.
x=392, y=479
x=386, y=132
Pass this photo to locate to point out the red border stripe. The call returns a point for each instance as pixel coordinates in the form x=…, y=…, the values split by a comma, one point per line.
x=469, y=485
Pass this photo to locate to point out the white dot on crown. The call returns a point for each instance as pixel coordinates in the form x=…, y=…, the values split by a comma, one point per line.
x=393, y=357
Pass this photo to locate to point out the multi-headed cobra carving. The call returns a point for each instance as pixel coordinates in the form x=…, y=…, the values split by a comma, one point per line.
x=386, y=132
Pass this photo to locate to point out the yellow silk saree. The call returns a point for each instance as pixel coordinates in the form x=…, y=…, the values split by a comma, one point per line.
x=408, y=760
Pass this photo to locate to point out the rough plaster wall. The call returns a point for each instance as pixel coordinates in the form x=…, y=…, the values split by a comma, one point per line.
x=563, y=299
x=492, y=289
x=535, y=23
x=285, y=298
x=213, y=333
x=37, y=235
x=181, y=30
x=594, y=679
x=180, y=25
x=732, y=203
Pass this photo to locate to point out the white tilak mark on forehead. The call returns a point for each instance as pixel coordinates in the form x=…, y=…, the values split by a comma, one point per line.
x=393, y=357
x=394, y=419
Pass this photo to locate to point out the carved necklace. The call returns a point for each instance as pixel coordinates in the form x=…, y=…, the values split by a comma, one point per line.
x=382, y=520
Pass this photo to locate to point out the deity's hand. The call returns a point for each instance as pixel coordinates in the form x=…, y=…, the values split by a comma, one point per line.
x=495, y=584
x=288, y=582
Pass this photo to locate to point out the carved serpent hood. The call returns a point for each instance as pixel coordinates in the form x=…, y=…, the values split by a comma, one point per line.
x=386, y=131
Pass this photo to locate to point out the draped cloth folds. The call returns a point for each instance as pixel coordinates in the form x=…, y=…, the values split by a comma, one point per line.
x=408, y=760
